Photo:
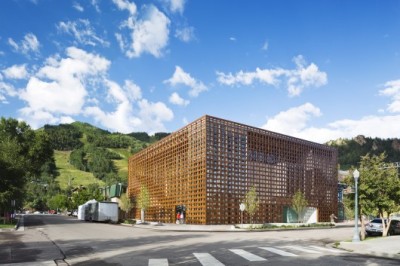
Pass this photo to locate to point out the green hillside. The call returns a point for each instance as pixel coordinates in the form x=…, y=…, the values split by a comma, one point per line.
x=69, y=173
x=86, y=154
x=351, y=150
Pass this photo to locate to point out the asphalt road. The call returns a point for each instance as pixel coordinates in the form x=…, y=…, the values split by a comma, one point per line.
x=65, y=240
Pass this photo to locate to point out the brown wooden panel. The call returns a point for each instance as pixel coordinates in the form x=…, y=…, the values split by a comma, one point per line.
x=210, y=164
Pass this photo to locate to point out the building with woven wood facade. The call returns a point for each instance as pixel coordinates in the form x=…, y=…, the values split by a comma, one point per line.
x=209, y=165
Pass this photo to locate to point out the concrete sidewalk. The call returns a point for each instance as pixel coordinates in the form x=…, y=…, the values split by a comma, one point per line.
x=388, y=247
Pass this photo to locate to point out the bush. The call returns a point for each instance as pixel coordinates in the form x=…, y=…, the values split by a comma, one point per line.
x=129, y=221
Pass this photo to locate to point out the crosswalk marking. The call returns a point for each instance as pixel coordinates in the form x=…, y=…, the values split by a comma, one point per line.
x=207, y=260
x=303, y=249
x=158, y=262
x=247, y=255
x=327, y=249
x=279, y=252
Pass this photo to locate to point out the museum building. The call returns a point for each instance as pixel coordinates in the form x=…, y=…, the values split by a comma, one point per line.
x=206, y=168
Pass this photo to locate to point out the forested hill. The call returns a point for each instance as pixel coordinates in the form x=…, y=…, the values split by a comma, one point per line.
x=75, y=135
x=350, y=150
x=82, y=148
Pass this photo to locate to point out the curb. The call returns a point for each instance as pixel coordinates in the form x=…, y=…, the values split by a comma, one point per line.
x=161, y=227
x=20, y=224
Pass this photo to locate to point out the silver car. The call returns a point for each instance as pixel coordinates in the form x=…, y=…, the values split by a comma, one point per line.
x=374, y=227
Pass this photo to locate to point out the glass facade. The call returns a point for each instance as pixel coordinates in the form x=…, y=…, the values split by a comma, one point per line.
x=209, y=165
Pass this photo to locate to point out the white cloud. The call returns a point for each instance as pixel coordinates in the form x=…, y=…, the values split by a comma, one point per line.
x=82, y=31
x=294, y=122
x=29, y=44
x=59, y=88
x=177, y=100
x=181, y=77
x=232, y=39
x=149, y=34
x=126, y=5
x=392, y=89
x=177, y=6
x=296, y=79
x=95, y=4
x=147, y=116
x=78, y=7
x=70, y=86
x=16, y=72
x=185, y=34
x=121, y=41
x=153, y=114
x=5, y=91
x=265, y=46
x=303, y=77
x=133, y=91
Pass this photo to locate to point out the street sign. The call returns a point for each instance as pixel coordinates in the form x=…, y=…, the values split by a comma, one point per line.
x=242, y=207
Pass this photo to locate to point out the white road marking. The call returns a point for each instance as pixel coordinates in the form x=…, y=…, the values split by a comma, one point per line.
x=327, y=249
x=279, y=252
x=207, y=260
x=158, y=262
x=247, y=255
x=303, y=249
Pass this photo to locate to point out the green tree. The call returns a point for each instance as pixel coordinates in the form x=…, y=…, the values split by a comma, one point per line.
x=125, y=203
x=143, y=201
x=64, y=137
x=84, y=194
x=251, y=202
x=299, y=205
x=58, y=202
x=24, y=155
x=379, y=188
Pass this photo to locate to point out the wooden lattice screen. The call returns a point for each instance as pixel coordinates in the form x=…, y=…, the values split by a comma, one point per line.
x=209, y=165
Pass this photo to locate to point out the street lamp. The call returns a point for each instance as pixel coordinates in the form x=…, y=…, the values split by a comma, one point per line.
x=356, y=237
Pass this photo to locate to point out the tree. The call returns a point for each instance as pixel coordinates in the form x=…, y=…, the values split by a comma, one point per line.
x=299, y=205
x=251, y=202
x=379, y=188
x=59, y=201
x=143, y=201
x=82, y=195
x=23, y=155
x=125, y=203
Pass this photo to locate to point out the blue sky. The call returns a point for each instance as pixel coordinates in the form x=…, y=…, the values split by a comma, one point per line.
x=317, y=70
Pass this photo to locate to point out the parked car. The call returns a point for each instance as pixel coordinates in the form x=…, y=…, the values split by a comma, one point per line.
x=374, y=227
x=394, y=227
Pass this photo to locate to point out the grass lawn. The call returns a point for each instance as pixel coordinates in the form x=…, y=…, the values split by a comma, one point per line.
x=68, y=173
x=122, y=165
x=7, y=224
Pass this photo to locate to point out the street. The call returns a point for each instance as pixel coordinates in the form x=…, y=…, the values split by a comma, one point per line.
x=68, y=241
